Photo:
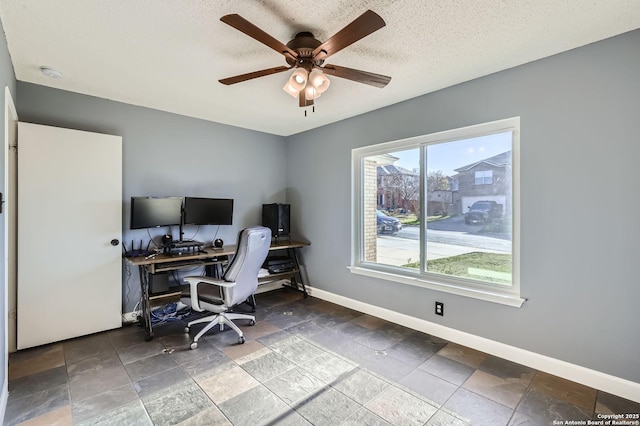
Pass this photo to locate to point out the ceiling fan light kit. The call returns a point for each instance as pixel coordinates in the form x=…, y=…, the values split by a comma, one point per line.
x=313, y=84
x=319, y=81
x=307, y=55
x=296, y=82
x=290, y=89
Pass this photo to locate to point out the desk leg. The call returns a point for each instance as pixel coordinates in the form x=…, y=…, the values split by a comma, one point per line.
x=294, y=281
x=145, y=305
x=216, y=270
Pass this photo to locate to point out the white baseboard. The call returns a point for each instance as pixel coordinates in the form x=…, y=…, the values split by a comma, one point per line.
x=4, y=396
x=595, y=379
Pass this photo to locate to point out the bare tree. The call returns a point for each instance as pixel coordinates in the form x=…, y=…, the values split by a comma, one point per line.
x=405, y=187
x=437, y=181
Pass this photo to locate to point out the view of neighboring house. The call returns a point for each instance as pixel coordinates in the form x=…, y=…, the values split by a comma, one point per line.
x=483, y=180
x=440, y=202
x=399, y=188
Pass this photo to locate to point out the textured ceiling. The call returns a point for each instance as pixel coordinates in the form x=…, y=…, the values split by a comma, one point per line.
x=170, y=54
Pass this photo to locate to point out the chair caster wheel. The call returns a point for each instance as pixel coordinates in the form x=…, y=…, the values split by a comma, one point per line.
x=241, y=340
x=186, y=330
x=194, y=345
x=252, y=322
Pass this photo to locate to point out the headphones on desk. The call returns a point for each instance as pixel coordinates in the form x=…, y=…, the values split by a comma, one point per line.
x=218, y=243
x=166, y=239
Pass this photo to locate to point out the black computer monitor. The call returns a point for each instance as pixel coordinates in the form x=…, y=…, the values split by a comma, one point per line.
x=208, y=211
x=154, y=212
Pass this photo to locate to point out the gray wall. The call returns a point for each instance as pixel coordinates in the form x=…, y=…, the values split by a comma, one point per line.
x=7, y=78
x=580, y=233
x=579, y=114
x=167, y=154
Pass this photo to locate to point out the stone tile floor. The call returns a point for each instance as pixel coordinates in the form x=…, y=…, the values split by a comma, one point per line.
x=306, y=361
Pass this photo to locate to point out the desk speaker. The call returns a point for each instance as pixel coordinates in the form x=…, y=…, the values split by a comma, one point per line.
x=158, y=283
x=277, y=218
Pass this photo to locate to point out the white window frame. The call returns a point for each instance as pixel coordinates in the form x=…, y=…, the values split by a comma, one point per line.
x=507, y=295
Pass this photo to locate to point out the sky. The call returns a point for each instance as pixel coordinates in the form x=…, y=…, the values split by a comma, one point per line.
x=448, y=156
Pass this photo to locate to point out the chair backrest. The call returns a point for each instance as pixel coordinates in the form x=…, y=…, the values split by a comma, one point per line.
x=251, y=251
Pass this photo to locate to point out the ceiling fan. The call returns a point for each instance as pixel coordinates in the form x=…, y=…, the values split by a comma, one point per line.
x=306, y=55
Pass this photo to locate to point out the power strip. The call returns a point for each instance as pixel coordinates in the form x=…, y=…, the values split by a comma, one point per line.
x=130, y=317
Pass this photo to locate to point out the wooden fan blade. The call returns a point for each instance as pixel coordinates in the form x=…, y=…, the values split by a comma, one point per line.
x=361, y=27
x=241, y=24
x=372, y=79
x=252, y=75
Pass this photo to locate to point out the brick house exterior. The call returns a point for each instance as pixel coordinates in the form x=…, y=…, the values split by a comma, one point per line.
x=484, y=180
x=398, y=188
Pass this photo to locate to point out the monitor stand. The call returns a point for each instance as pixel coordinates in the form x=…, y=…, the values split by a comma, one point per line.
x=185, y=243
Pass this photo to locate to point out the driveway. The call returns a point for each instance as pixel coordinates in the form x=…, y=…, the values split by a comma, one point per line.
x=455, y=223
x=455, y=231
x=445, y=238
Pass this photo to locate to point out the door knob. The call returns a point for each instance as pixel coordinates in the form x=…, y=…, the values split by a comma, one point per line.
x=115, y=242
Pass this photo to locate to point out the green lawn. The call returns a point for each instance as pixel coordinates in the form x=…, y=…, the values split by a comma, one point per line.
x=491, y=267
x=412, y=219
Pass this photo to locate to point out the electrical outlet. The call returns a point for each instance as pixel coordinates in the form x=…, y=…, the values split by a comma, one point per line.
x=440, y=309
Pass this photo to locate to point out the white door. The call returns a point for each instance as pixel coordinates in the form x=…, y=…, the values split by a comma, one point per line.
x=9, y=212
x=69, y=231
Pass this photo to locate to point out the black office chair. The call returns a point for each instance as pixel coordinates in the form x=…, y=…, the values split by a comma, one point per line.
x=238, y=283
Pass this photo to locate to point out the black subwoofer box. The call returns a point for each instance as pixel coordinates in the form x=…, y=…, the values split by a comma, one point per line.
x=277, y=218
x=158, y=283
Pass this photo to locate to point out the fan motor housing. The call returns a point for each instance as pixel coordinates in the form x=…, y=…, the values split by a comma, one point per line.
x=304, y=44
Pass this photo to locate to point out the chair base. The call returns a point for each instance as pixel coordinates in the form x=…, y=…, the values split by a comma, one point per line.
x=219, y=319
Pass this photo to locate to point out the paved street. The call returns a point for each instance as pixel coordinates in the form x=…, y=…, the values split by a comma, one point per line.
x=445, y=238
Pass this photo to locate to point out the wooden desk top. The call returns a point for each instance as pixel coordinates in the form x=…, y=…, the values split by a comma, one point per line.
x=210, y=253
x=287, y=245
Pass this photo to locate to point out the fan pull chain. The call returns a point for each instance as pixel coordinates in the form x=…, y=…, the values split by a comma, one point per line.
x=313, y=109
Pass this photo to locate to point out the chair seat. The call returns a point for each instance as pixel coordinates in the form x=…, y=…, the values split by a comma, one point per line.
x=239, y=282
x=206, y=293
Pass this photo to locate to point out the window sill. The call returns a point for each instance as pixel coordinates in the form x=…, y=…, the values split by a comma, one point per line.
x=501, y=298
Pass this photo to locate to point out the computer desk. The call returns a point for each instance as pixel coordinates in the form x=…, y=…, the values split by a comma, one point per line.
x=214, y=260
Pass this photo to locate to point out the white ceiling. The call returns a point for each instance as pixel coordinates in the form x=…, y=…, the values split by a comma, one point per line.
x=170, y=54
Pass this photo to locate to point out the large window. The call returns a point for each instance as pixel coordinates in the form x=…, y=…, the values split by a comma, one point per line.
x=440, y=211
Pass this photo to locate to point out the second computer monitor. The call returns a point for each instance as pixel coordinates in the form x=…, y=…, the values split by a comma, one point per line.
x=208, y=211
